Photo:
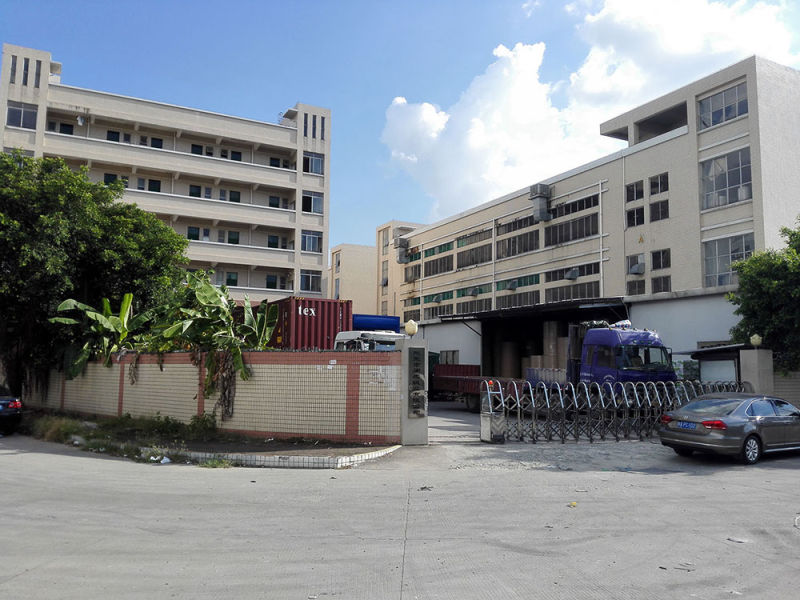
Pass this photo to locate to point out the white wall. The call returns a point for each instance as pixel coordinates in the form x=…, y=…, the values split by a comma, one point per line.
x=684, y=322
x=456, y=335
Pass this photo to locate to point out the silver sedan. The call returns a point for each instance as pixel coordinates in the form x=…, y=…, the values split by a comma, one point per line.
x=743, y=425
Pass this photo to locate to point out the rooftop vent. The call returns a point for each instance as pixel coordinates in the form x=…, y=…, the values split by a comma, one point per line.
x=540, y=196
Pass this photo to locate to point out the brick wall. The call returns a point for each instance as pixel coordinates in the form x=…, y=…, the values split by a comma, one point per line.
x=340, y=396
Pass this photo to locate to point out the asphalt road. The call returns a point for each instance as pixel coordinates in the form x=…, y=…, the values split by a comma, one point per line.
x=456, y=519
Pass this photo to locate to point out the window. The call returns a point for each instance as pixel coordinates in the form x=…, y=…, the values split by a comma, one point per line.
x=26, y=63
x=604, y=357
x=66, y=128
x=337, y=260
x=38, y=76
x=784, y=409
x=474, y=290
x=207, y=192
x=581, y=270
x=209, y=150
x=276, y=282
x=660, y=259
x=313, y=202
x=474, y=256
x=384, y=304
x=634, y=191
x=726, y=179
x=569, y=208
x=635, y=287
x=411, y=302
x=153, y=185
x=223, y=194
x=515, y=224
x=518, y=282
x=661, y=284
x=235, y=196
x=197, y=149
x=718, y=255
x=305, y=124
x=568, y=231
x=411, y=315
x=440, y=265
x=13, y=78
x=233, y=237
x=518, y=244
x=412, y=273
x=274, y=162
x=760, y=408
x=577, y=291
x=236, y=155
x=440, y=249
x=311, y=241
x=722, y=106
x=314, y=130
x=126, y=137
x=112, y=136
x=310, y=281
x=384, y=277
x=109, y=178
x=140, y=181
x=21, y=115
x=635, y=216
x=438, y=297
x=223, y=153
x=659, y=184
x=143, y=140
x=313, y=163
x=473, y=238
x=437, y=311
x=194, y=191
x=273, y=241
x=193, y=233
x=473, y=306
x=322, y=128
x=156, y=142
x=530, y=298
x=632, y=263
x=659, y=210
x=231, y=278
x=274, y=202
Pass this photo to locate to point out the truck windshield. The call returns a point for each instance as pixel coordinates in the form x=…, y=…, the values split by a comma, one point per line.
x=642, y=358
x=382, y=346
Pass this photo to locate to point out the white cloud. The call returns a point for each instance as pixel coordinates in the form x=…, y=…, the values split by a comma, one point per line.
x=506, y=132
x=529, y=6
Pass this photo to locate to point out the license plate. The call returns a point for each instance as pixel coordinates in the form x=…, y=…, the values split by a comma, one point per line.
x=686, y=425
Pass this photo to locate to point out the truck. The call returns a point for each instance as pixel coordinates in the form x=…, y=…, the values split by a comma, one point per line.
x=596, y=352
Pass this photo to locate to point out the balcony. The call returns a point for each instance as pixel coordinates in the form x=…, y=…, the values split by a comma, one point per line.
x=93, y=103
x=239, y=254
x=153, y=159
x=208, y=209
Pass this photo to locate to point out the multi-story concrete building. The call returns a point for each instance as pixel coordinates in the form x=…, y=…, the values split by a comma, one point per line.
x=352, y=276
x=390, y=272
x=647, y=233
x=252, y=197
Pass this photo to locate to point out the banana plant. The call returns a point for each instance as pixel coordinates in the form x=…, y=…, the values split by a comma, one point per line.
x=103, y=333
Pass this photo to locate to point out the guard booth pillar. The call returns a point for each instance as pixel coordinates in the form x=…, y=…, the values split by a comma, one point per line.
x=755, y=367
x=414, y=393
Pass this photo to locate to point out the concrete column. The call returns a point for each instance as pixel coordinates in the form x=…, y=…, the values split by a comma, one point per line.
x=755, y=366
x=414, y=393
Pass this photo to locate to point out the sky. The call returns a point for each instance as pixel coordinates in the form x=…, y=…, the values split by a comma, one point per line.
x=437, y=105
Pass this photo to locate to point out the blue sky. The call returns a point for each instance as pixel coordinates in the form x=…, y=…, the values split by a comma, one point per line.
x=436, y=106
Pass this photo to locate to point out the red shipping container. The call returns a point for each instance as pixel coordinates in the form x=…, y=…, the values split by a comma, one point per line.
x=310, y=323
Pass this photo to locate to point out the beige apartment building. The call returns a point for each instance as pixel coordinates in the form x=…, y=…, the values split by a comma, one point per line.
x=390, y=272
x=252, y=197
x=352, y=276
x=647, y=233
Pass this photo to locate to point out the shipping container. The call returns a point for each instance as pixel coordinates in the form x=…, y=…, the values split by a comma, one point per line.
x=376, y=323
x=310, y=323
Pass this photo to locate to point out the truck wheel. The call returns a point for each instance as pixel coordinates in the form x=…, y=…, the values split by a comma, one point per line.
x=473, y=403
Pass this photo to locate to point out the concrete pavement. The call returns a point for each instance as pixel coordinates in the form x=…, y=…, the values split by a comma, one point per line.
x=457, y=519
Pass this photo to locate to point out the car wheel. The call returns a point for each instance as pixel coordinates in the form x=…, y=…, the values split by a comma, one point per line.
x=683, y=451
x=751, y=450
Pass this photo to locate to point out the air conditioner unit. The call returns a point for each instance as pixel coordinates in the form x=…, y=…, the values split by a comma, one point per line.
x=512, y=285
x=637, y=269
x=572, y=274
x=474, y=291
x=400, y=242
x=437, y=298
x=402, y=256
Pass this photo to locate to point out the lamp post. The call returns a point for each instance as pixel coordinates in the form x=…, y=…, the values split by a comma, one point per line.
x=411, y=327
x=755, y=340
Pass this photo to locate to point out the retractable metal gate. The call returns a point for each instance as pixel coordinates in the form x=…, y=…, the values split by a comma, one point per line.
x=521, y=412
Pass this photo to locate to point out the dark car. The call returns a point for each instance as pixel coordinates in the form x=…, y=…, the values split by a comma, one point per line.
x=743, y=425
x=10, y=411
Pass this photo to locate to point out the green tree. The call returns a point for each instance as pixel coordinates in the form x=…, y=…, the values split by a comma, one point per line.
x=63, y=236
x=768, y=300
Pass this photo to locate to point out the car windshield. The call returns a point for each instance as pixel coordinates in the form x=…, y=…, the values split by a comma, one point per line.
x=712, y=406
x=642, y=358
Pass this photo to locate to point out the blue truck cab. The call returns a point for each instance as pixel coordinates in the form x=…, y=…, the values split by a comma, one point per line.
x=619, y=353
